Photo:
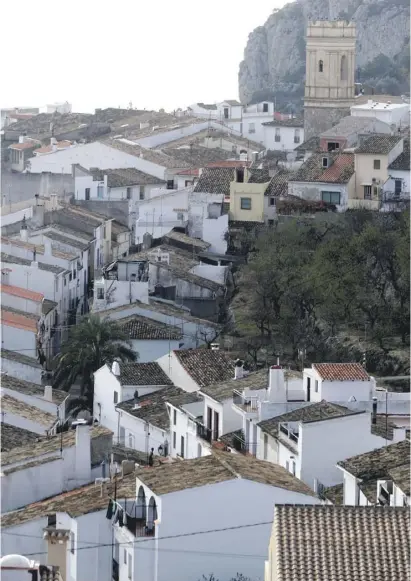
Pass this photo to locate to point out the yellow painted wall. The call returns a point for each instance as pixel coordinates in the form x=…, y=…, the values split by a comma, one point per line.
x=246, y=190
x=365, y=172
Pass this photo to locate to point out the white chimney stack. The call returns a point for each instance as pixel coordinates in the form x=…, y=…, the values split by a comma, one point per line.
x=48, y=393
x=239, y=369
x=82, y=469
x=115, y=368
x=276, y=386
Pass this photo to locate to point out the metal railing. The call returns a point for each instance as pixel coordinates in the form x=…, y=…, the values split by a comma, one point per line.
x=203, y=432
x=248, y=404
x=289, y=433
x=139, y=527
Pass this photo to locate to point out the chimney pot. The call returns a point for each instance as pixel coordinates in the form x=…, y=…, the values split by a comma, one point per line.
x=48, y=393
x=115, y=368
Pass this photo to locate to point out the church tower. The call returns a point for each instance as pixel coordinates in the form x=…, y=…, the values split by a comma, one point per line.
x=329, y=80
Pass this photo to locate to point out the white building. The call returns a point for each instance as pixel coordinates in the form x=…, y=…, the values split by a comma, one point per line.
x=52, y=401
x=378, y=477
x=283, y=135
x=123, y=282
x=28, y=417
x=123, y=382
x=21, y=366
x=62, y=108
x=394, y=114
x=395, y=192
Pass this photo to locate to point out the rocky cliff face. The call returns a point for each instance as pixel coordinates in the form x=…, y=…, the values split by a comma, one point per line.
x=274, y=58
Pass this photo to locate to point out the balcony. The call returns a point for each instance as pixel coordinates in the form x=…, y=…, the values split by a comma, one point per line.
x=139, y=527
x=203, y=432
x=248, y=404
x=116, y=571
x=289, y=433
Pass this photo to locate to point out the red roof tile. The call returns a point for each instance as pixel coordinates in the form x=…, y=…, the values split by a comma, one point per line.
x=18, y=321
x=341, y=371
x=344, y=164
x=26, y=145
x=21, y=292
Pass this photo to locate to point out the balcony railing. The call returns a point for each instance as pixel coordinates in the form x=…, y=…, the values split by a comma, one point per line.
x=203, y=432
x=139, y=527
x=384, y=496
x=289, y=433
x=116, y=571
x=248, y=404
x=396, y=197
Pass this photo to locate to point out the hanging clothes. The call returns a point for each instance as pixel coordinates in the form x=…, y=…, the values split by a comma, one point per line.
x=110, y=510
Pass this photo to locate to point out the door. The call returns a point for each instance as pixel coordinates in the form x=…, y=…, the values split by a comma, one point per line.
x=216, y=422
x=209, y=418
x=182, y=447
x=308, y=388
x=122, y=436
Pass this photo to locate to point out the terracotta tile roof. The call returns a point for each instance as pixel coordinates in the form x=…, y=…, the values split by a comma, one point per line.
x=22, y=293
x=26, y=145
x=339, y=172
x=312, y=144
x=218, y=467
x=355, y=543
x=198, y=155
x=13, y=406
x=401, y=477
x=205, y=366
x=143, y=374
x=189, y=172
x=402, y=162
x=334, y=494
x=23, y=359
x=215, y=180
x=379, y=144
x=152, y=407
x=100, y=438
x=341, y=371
x=29, y=388
x=151, y=155
x=142, y=328
x=278, y=186
x=75, y=503
x=49, y=148
x=14, y=437
x=7, y=258
x=296, y=122
x=232, y=439
x=19, y=320
x=376, y=464
x=186, y=240
x=315, y=412
x=223, y=390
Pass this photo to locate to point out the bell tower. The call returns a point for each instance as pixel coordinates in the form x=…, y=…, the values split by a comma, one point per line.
x=330, y=69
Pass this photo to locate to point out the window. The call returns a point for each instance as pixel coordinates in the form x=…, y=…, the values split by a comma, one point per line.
x=377, y=164
x=316, y=386
x=175, y=417
x=245, y=203
x=100, y=294
x=333, y=146
x=74, y=274
x=100, y=192
x=70, y=276
x=293, y=468
x=239, y=176
x=180, y=216
x=265, y=107
x=87, y=193
x=325, y=162
x=5, y=275
x=125, y=557
x=174, y=440
x=170, y=184
x=397, y=187
x=296, y=136
x=130, y=567
x=320, y=66
x=344, y=68
x=51, y=520
x=142, y=193
x=265, y=446
x=65, y=281
x=251, y=128
x=129, y=191
x=115, y=397
x=57, y=285
x=271, y=223
x=272, y=201
x=98, y=256
x=187, y=183
x=277, y=134
x=287, y=465
x=226, y=112
x=367, y=192
x=130, y=441
x=72, y=542
x=331, y=197
x=182, y=447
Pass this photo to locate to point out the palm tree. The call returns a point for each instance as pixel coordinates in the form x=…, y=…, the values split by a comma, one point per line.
x=90, y=345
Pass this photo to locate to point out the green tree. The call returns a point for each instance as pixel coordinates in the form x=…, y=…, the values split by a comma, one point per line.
x=90, y=344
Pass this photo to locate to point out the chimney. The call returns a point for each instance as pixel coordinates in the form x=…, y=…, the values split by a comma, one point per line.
x=53, y=202
x=48, y=392
x=47, y=246
x=115, y=369
x=399, y=434
x=21, y=139
x=127, y=467
x=374, y=410
x=239, y=369
x=82, y=467
x=24, y=233
x=276, y=386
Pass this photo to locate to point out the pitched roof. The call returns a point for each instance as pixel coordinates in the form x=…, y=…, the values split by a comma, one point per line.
x=29, y=388
x=359, y=543
x=14, y=437
x=341, y=371
x=50, y=444
x=350, y=125
x=67, y=240
x=402, y=162
x=315, y=412
x=312, y=144
x=19, y=319
x=401, y=477
x=215, y=180
x=223, y=390
x=218, y=467
x=19, y=357
x=294, y=122
x=22, y=293
x=123, y=177
x=376, y=464
x=142, y=328
x=152, y=407
x=278, y=185
x=157, y=157
x=198, y=155
x=210, y=107
x=379, y=144
x=205, y=366
x=12, y=406
x=59, y=146
x=339, y=171
x=232, y=102
x=25, y=145
x=23, y=261
x=75, y=503
x=334, y=494
x=189, y=241
x=143, y=374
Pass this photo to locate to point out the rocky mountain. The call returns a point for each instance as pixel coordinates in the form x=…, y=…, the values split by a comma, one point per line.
x=274, y=58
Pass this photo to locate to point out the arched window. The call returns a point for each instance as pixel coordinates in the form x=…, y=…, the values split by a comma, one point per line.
x=344, y=68
x=141, y=509
x=152, y=513
x=320, y=66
